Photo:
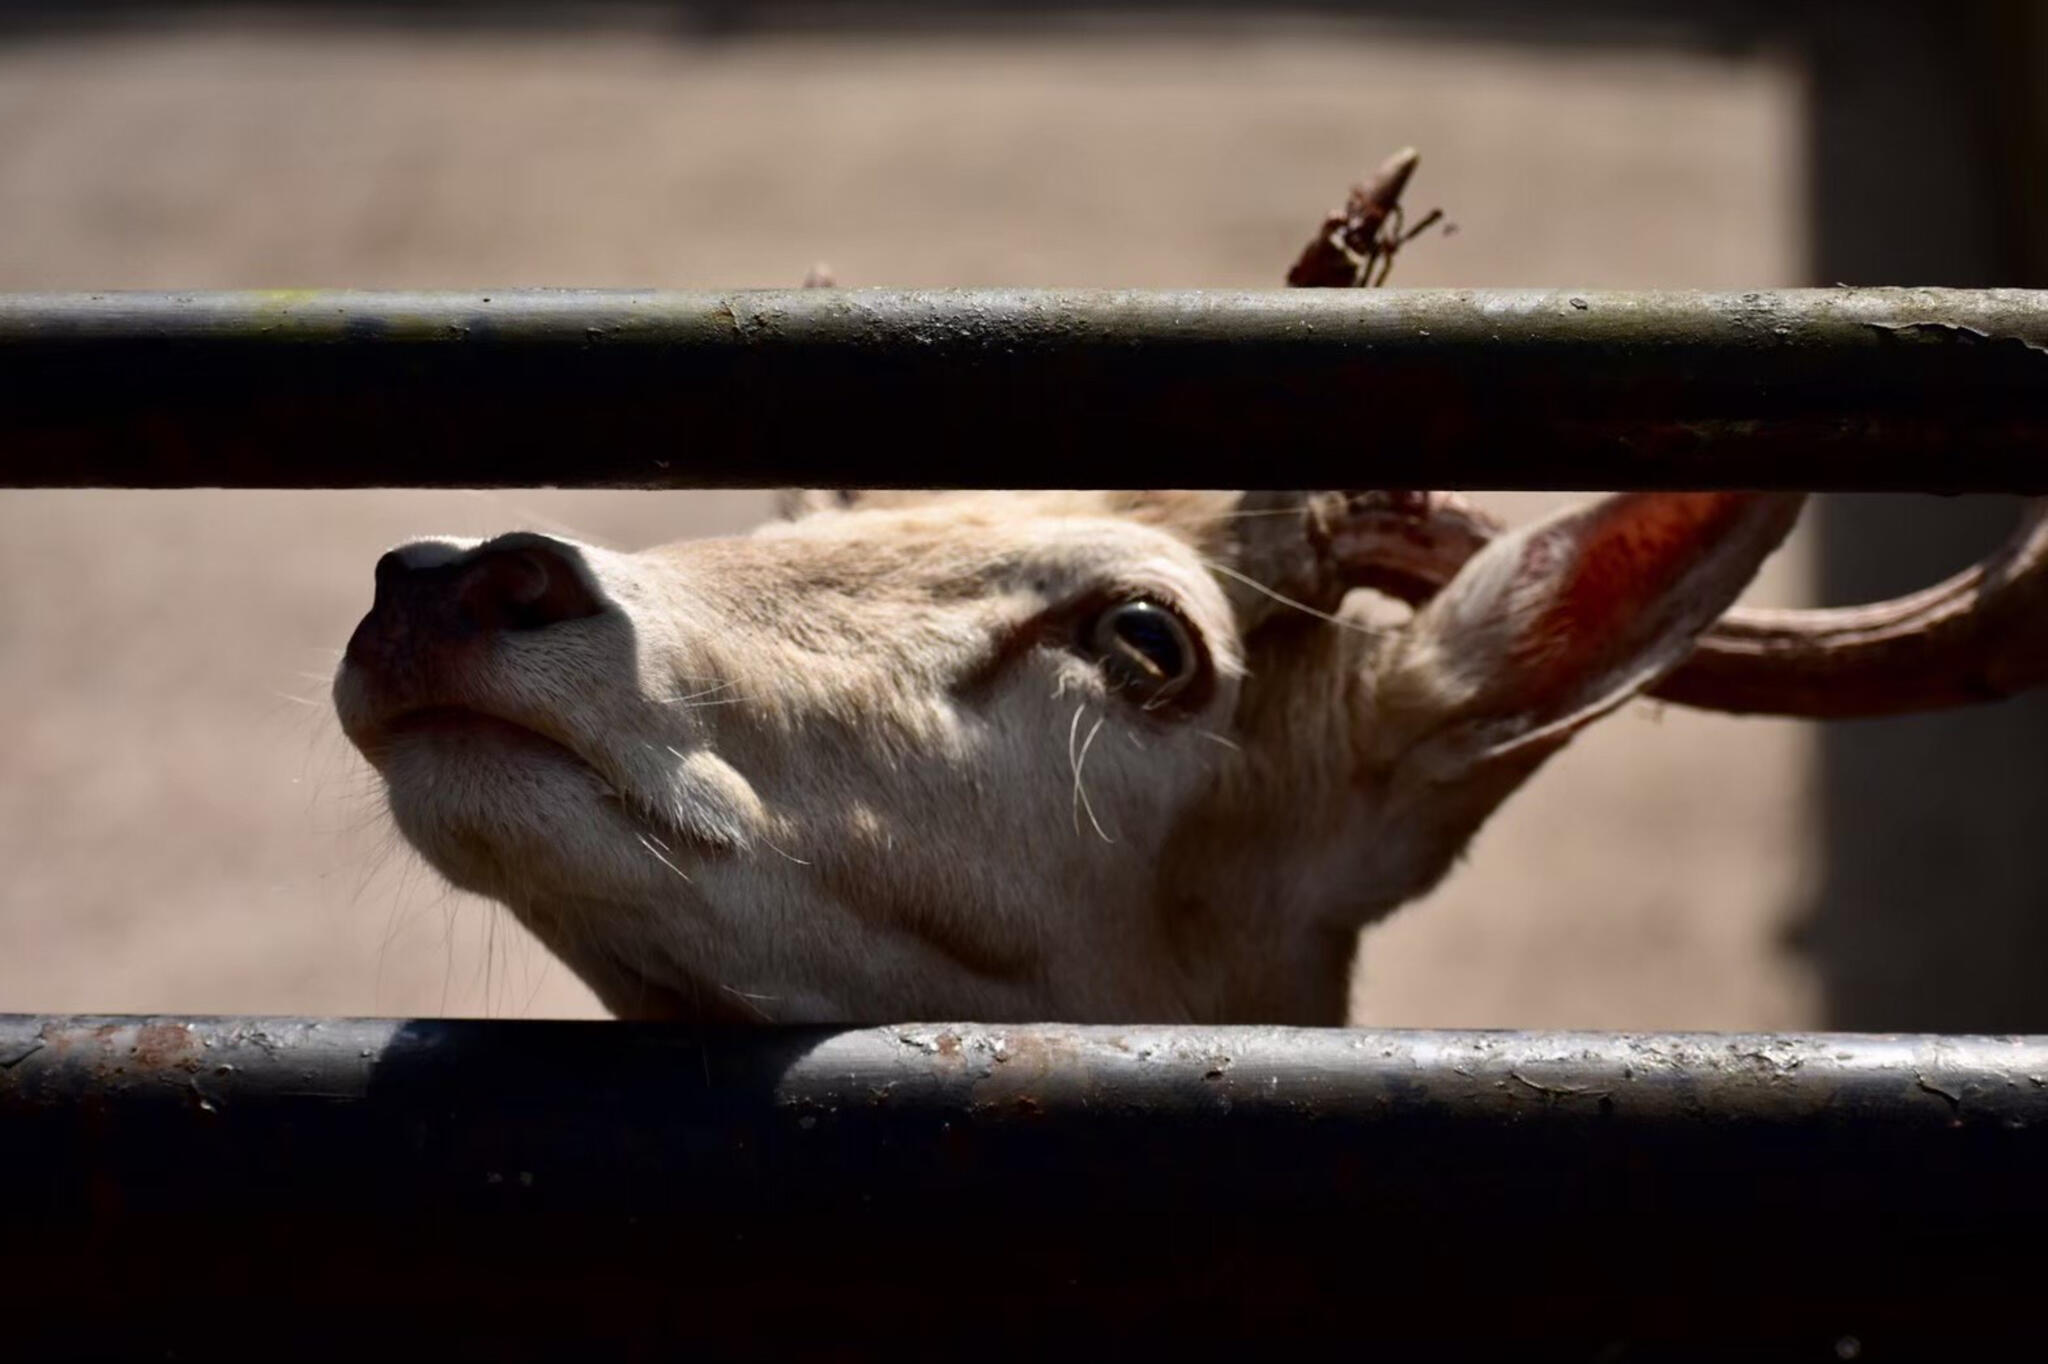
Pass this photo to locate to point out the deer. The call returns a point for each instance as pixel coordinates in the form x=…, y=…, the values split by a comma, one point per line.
x=1069, y=756
x=1075, y=756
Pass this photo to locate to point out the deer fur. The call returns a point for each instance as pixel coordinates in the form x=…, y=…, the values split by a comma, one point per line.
x=864, y=764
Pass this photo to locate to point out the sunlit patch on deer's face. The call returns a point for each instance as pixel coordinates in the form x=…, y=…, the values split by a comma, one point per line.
x=801, y=768
x=1000, y=756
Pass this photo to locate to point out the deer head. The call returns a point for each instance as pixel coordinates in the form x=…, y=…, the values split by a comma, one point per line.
x=1076, y=756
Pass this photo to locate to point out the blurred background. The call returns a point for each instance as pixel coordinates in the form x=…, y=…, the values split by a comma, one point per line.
x=183, y=829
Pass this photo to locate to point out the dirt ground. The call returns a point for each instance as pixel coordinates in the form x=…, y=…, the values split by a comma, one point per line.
x=181, y=825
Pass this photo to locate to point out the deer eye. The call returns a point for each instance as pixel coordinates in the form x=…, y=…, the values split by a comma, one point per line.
x=1144, y=646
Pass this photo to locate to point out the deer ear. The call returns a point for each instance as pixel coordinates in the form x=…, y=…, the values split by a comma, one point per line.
x=1558, y=623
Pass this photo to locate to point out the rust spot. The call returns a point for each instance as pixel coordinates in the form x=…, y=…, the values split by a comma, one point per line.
x=166, y=1046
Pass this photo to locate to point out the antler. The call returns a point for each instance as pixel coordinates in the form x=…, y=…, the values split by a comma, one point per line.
x=1981, y=635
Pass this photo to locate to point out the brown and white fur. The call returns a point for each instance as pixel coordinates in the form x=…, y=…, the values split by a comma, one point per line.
x=871, y=763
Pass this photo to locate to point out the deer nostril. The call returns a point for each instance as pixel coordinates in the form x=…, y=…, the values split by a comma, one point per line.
x=524, y=578
x=527, y=588
x=434, y=596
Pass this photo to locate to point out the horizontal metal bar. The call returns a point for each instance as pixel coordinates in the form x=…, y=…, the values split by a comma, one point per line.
x=1937, y=390
x=551, y=1188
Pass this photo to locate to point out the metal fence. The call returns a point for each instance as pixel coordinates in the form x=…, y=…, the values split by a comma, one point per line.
x=1873, y=389
x=258, y=1187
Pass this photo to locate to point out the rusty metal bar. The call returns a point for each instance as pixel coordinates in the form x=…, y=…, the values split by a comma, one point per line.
x=1875, y=389
x=263, y=1187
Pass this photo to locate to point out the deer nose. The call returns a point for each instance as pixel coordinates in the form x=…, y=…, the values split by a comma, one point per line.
x=521, y=588
x=431, y=596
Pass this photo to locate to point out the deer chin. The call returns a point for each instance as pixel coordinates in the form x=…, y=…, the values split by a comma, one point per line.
x=505, y=811
x=638, y=995
x=654, y=988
